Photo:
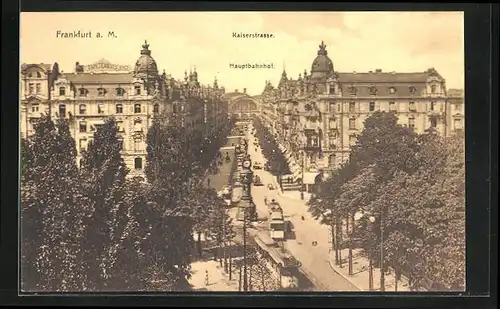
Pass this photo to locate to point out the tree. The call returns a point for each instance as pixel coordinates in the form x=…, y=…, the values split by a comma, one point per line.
x=357, y=195
x=104, y=171
x=52, y=211
x=276, y=161
x=385, y=145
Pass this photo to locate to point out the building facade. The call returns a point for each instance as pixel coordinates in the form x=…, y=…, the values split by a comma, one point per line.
x=319, y=115
x=134, y=97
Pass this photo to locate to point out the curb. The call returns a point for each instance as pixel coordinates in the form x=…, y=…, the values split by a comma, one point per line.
x=339, y=272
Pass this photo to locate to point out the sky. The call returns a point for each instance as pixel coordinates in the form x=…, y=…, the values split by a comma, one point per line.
x=179, y=41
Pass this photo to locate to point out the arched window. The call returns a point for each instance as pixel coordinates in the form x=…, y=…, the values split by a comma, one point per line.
x=138, y=163
x=30, y=74
x=82, y=109
x=156, y=108
x=120, y=92
x=119, y=108
x=62, y=110
x=137, y=108
x=62, y=91
x=433, y=89
x=82, y=91
x=137, y=125
x=332, y=159
x=373, y=90
x=38, y=74
x=352, y=123
x=101, y=92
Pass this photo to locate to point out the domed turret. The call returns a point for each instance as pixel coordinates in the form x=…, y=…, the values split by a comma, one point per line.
x=145, y=67
x=322, y=66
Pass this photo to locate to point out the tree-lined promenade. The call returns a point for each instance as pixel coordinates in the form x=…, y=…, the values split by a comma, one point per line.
x=94, y=229
x=401, y=199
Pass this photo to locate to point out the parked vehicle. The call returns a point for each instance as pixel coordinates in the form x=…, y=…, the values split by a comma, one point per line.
x=257, y=165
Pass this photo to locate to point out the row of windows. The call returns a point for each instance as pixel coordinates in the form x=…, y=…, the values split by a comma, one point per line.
x=82, y=109
x=37, y=74
x=138, y=144
x=93, y=127
x=102, y=91
x=373, y=90
x=392, y=106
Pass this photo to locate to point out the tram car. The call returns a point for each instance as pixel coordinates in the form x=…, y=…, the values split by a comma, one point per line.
x=284, y=266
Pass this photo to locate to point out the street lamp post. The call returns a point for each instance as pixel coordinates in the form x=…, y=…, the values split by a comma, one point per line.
x=382, y=274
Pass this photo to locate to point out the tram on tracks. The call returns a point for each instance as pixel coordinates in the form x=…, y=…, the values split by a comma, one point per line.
x=282, y=263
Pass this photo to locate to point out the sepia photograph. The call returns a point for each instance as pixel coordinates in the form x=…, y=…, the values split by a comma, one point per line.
x=242, y=152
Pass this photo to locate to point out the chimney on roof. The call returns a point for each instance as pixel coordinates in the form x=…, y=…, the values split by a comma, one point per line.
x=378, y=71
x=370, y=71
x=235, y=90
x=245, y=90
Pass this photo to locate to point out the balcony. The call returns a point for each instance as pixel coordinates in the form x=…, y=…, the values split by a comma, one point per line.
x=312, y=146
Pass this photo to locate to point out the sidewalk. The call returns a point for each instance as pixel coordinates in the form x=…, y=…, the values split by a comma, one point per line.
x=360, y=277
x=360, y=270
x=217, y=280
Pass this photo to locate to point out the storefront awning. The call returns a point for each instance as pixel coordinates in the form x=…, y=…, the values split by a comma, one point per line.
x=309, y=178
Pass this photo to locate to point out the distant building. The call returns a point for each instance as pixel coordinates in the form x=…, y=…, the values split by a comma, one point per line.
x=322, y=113
x=133, y=97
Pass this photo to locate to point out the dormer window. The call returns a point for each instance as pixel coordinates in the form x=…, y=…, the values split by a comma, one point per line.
x=413, y=90
x=373, y=90
x=392, y=90
x=353, y=90
x=137, y=108
x=101, y=92
x=137, y=90
x=120, y=92
x=433, y=89
x=82, y=92
x=38, y=74
x=62, y=91
x=332, y=89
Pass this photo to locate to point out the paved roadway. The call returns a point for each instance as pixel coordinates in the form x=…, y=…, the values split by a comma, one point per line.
x=314, y=259
x=221, y=178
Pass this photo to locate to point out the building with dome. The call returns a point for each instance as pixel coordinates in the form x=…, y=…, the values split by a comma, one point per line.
x=134, y=97
x=318, y=116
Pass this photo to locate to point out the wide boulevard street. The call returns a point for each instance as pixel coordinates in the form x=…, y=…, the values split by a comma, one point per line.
x=314, y=259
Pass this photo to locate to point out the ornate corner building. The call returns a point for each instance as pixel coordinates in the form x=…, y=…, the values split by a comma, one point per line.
x=320, y=114
x=134, y=98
